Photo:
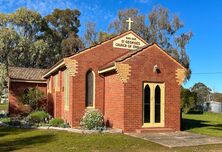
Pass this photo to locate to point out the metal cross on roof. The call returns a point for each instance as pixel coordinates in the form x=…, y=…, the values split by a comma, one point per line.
x=129, y=21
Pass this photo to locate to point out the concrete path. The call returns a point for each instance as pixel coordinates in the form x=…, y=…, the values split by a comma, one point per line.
x=178, y=139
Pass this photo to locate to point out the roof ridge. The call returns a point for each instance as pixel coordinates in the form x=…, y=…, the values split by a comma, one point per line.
x=27, y=68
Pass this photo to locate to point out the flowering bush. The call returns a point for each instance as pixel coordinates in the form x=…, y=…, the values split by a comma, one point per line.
x=92, y=119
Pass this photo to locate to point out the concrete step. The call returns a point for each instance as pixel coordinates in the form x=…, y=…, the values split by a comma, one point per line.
x=154, y=130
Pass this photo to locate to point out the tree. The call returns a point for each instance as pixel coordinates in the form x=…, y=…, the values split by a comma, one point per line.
x=162, y=28
x=217, y=97
x=22, y=31
x=93, y=37
x=3, y=78
x=120, y=25
x=62, y=32
x=29, y=40
x=202, y=91
x=8, y=45
x=103, y=36
x=188, y=100
x=90, y=35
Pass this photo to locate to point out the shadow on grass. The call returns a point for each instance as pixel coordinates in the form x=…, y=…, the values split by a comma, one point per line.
x=11, y=131
x=188, y=124
x=24, y=142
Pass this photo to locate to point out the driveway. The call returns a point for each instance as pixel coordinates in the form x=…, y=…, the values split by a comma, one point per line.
x=178, y=139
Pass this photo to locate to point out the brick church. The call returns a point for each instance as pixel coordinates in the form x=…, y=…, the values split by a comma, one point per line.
x=134, y=84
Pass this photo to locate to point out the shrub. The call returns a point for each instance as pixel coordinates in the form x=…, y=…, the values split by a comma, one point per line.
x=56, y=122
x=92, y=119
x=32, y=97
x=188, y=100
x=11, y=121
x=5, y=120
x=38, y=117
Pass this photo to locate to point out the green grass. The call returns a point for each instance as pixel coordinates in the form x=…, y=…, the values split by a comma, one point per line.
x=26, y=140
x=207, y=123
x=3, y=106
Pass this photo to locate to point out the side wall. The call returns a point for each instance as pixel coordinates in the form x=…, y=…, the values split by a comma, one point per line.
x=114, y=102
x=16, y=89
x=56, y=98
x=92, y=59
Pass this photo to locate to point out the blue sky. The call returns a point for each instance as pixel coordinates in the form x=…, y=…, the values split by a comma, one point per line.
x=202, y=17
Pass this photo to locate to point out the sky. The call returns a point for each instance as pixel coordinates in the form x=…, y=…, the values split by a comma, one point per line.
x=202, y=17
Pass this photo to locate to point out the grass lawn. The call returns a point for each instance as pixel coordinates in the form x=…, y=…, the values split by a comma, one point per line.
x=3, y=106
x=26, y=140
x=207, y=123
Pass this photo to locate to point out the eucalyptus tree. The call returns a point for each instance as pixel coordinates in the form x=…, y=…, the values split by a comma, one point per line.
x=62, y=31
x=22, y=32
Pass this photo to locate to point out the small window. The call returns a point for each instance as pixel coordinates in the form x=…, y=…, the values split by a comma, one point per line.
x=90, y=85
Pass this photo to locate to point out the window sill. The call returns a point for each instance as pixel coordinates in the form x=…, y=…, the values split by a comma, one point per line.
x=90, y=107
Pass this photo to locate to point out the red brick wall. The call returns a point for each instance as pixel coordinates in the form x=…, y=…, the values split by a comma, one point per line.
x=92, y=59
x=142, y=70
x=114, y=102
x=16, y=89
x=56, y=99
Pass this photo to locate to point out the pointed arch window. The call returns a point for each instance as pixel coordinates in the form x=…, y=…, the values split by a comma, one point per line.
x=157, y=104
x=146, y=104
x=90, y=88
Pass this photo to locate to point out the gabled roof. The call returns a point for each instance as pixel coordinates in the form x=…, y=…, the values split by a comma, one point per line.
x=23, y=74
x=111, y=65
x=61, y=62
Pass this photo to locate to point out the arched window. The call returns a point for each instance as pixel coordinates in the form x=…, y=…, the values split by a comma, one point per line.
x=90, y=85
x=146, y=107
x=157, y=104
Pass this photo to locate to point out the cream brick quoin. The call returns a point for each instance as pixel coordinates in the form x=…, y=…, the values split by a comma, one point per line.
x=72, y=66
x=123, y=71
x=180, y=75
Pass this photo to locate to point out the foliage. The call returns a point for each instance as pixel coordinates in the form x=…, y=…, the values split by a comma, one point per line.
x=23, y=30
x=202, y=91
x=217, y=97
x=3, y=106
x=56, y=122
x=29, y=40
x=6, y=120
x=38, y=117
x=9, y=39
x=32, y=97
x=188, y=100
x=92, y=119
x=93, y=37
x=90, y=35
x=62, y=31
x=3, y=78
